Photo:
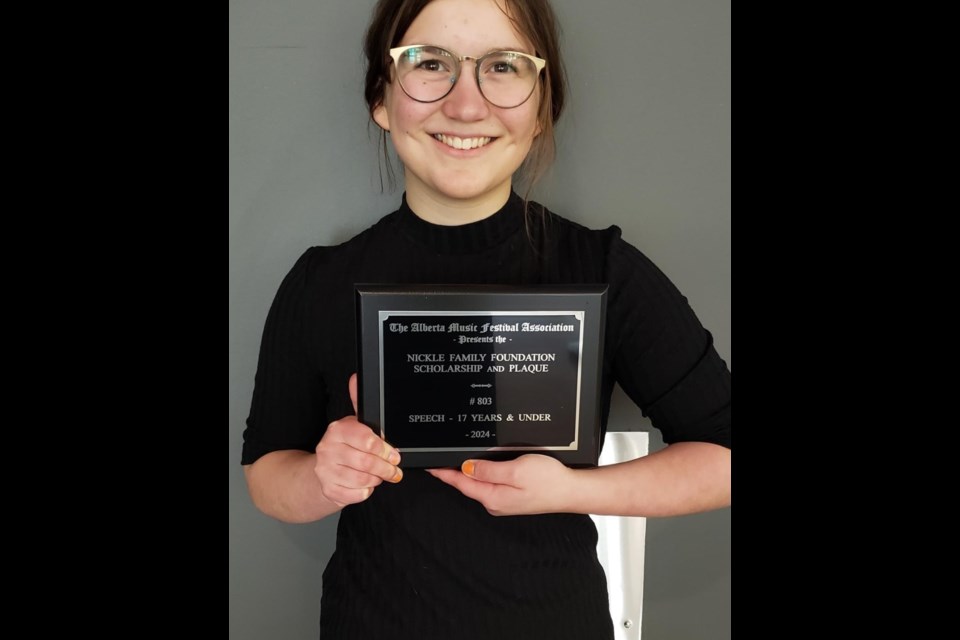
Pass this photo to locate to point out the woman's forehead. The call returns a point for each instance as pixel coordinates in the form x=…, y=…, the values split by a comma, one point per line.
x=466, y=27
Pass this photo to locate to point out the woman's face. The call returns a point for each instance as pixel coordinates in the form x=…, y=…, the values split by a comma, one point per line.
x=440, y=178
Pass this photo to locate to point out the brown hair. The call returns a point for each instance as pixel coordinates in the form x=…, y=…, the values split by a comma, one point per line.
x=532, y=18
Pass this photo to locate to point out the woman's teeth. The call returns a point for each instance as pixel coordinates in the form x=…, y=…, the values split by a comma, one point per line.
x=462, y=143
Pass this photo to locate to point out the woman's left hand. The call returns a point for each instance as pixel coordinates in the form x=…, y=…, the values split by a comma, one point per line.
x=532, y=483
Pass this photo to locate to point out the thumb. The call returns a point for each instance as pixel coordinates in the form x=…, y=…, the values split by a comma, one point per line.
x=352, y=387
x=488, y=471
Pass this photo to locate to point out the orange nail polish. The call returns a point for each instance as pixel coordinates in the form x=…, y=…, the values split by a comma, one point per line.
x=398, y=477
x=467, y=467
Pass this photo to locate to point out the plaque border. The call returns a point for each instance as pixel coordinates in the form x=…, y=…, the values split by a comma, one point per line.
x=588, y=302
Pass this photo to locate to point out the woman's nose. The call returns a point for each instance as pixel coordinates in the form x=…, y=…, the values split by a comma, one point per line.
x=465, y=102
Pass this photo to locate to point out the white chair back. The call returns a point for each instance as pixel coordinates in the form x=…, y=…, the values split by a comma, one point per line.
x=621, y=542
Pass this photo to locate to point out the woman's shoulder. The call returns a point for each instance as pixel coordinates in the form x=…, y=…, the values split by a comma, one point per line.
x=620, y=256
x=319, y=259
x=566, y=229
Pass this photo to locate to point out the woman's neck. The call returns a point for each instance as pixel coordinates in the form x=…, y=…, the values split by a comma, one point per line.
x=442, y=210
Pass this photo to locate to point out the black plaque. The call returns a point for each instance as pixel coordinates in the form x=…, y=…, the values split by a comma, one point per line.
x=448, y=373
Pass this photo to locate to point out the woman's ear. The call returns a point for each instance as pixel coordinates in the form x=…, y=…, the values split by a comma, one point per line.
x=380, y=116
x=540, y=117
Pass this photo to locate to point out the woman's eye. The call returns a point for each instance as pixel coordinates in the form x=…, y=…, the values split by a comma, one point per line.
x=434, y=65
x=502, y=67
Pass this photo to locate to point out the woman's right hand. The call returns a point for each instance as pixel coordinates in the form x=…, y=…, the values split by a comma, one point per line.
x=352, y=460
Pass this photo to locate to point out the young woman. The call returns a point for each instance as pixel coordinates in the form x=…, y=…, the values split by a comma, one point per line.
x=468, y=92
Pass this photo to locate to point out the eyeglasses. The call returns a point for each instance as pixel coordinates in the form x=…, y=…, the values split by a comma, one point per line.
x=505, y=78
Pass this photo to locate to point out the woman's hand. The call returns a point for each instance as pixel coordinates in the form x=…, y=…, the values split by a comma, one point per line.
x=352, y=460
x=532, y=483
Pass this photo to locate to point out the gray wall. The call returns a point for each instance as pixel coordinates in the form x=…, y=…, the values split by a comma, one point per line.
x=644, y=145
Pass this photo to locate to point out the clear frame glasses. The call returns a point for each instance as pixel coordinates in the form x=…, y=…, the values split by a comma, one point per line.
x=427, y=74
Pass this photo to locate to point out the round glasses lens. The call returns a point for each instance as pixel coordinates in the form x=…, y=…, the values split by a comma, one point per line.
x=507, y=79
x=427, y=73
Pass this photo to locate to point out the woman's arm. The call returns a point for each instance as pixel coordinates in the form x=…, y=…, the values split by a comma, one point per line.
x=683, y=478
x=686, y=477
x=349, y=462
x=283, y=485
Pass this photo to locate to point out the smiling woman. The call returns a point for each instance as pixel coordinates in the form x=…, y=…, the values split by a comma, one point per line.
x=448, y=182
x=468, y=93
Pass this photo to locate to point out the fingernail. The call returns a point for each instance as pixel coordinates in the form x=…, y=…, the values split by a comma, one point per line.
x=392, y=455
x=398, y=477
x=467, y=467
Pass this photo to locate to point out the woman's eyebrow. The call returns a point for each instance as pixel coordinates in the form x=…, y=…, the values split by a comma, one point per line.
x=512, y=47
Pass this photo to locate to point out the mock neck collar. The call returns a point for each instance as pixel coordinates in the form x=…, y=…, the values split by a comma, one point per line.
x=464, y=238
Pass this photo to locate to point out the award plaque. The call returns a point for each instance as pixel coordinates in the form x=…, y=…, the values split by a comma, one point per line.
x=448, y=373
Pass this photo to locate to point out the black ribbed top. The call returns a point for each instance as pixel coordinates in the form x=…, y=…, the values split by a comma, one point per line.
x=418, y=560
